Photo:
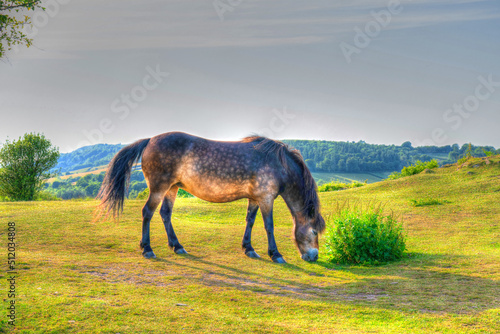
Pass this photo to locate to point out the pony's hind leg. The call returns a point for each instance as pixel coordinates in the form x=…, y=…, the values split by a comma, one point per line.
x=253, y=208
x=147, y=213
x=166, y=216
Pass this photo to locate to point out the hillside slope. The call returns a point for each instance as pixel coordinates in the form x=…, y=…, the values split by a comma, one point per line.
x=76, y=275
x=87, y=157
x=460, y=206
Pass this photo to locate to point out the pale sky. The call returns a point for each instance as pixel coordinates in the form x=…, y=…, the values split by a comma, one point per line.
x=384, y=72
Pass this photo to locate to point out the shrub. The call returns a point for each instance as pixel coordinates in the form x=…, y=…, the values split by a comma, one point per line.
x=46, y=196
x=487, y=153
x=184, y=194
x=416, y=168
x=5, y=199
x=145, y=194
x=335, y=185
x=71, y=193
x=364, y=237
x=427, y=202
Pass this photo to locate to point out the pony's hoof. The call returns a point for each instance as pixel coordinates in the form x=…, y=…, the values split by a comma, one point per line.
x=279, y=260
x=149, y=255
x=252, y=254
x=181, y=251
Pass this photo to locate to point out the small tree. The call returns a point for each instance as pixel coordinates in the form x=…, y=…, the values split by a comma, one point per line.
x=468, y=153
x=25, y=165
x=407, y=144
x=11, y=26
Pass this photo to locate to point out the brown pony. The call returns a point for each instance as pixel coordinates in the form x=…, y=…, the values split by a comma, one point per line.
x=256, y=168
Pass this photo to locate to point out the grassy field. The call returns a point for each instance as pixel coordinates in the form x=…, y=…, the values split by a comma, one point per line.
x=83, y=277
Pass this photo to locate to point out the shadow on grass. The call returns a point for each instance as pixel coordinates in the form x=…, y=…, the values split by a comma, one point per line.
x=425, y=283
x=422, y=283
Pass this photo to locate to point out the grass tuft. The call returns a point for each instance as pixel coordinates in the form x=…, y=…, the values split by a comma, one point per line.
x=427, y=202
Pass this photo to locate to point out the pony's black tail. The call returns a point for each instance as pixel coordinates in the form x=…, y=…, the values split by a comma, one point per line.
x=115, y=184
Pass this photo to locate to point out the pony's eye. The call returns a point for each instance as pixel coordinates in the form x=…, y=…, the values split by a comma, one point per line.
x=314, y=232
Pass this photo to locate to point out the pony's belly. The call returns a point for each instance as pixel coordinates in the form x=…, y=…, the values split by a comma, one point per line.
x=217, y=193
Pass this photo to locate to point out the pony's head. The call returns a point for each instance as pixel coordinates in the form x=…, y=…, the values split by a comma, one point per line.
x=308, y=222
x=306, y=230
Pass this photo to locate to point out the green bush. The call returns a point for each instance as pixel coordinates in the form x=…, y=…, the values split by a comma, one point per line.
x=46, y=196
x=364, y=237
x=334, y=186
x=487, y=153
x=5, y=199
x=143, y=194
x=416, y=168
x=181, y=193
x=427, y=202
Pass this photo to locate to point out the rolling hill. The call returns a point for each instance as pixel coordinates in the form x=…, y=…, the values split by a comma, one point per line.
x=86, y=158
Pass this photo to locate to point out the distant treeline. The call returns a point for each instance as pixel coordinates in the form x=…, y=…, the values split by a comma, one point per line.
x=320, y=156
x=352, y=157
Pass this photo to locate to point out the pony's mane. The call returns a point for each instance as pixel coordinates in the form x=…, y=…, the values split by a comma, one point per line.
x=307, y=184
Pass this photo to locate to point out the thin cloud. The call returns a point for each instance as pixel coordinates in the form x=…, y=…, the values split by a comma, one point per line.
x=112, y=25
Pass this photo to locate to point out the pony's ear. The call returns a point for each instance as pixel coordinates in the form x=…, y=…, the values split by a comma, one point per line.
x=320, y=224
x=312, y=211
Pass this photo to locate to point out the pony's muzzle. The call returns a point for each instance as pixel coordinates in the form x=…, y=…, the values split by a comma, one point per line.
x=311, y=255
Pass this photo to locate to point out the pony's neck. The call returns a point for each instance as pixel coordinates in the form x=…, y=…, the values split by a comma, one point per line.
x=294, y=192
x=293, y=199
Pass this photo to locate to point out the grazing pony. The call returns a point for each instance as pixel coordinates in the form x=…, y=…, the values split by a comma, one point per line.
x=256, y=168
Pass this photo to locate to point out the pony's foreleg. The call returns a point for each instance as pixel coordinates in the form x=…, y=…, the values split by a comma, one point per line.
x=166, y=216
x=253, y=208
x=267, y=214
x=147, y=214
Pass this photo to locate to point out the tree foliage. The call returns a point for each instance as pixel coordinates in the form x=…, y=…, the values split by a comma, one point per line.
x=354, y=157
x=12, y=23
x=25, y=165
